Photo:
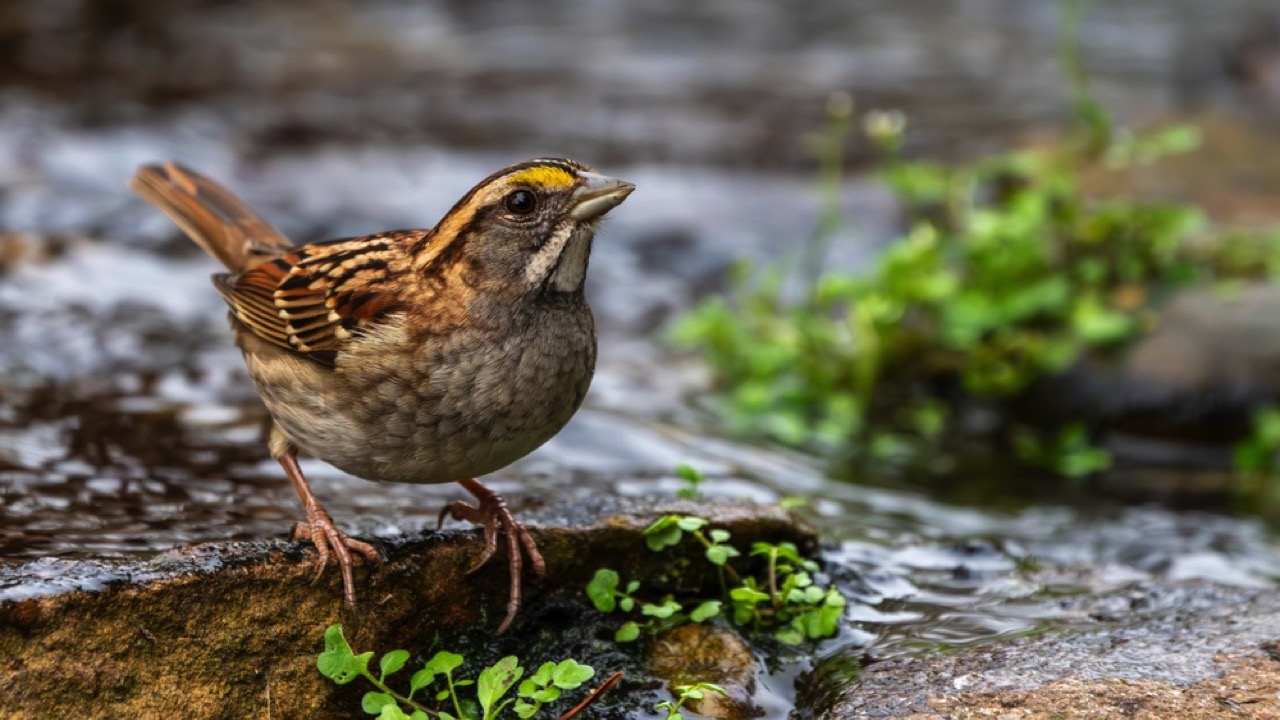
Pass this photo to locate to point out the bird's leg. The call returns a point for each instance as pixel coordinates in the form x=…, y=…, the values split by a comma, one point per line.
x=492, y=512
x=319, y=527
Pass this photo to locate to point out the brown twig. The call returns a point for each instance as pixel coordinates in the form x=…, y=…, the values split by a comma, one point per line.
x=595, y=695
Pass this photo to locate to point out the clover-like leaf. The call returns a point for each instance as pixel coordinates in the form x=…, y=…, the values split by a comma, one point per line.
x=627, y=604
x=720, y=554
x=525, y=709
x=689, y=523
x=496, y=680
x=719, y=536
x=546, y=695
x=393, y=712
x=689, y=474
x=421, y=679
x=602, y=589
x=748, y=595
x=569, y=674
x=663, y=533
x=373, y=701
x=338, y=662
x=544, y=674
x=668, y=608
x=627, y=633
x=392, y=662
x=705, y=611
x=443, y=662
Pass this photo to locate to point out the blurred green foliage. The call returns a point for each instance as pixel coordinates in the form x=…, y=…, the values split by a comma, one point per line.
x=1010, y=271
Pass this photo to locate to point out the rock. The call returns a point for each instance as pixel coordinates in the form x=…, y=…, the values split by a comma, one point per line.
x=708, y=653
x=230, y=630
x=1211, y=359
x=1193, y=650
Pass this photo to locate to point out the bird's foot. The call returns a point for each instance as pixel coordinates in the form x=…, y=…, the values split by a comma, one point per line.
x=492, y=512
x=331, y=542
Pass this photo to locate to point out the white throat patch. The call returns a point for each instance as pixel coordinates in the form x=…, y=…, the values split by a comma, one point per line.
x=572, y=268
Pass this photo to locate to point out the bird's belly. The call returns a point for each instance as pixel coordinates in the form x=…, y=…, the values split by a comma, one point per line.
x=440, y=414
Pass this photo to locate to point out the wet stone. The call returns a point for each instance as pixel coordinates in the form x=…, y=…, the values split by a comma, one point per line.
x=1194, y=650
x=225, y=626
x=708, y=653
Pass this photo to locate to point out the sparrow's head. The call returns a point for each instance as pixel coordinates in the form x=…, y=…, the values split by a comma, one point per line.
x=531, y=224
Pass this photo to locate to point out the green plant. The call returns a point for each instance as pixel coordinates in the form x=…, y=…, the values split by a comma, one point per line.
x=784, y=600
x=1009, y=272
x=692, y=479
x=685, y=693
x=1069, y=453
x=1260, y=452
x=342, y=665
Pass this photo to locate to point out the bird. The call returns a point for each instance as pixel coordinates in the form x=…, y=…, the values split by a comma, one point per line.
x=431, y=355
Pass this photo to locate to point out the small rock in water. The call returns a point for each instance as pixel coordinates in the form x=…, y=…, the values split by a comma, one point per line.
x=707, y=653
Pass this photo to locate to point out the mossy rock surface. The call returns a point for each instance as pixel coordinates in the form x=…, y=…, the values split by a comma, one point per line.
x=232, y=630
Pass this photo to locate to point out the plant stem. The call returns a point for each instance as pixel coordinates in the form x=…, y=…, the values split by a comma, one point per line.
x=401, y=698
x=773, y=577
x=453, y=694
x=733, y=574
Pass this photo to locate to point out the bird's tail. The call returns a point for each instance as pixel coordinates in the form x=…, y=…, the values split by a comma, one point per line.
x=209, y=214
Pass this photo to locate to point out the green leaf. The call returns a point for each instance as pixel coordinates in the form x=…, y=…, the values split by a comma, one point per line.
x=627, y=633
x=718, y=535
x=372, y=702
x=421, y=679
x=633, y=586
x=419, y=715
x=569, y=674
x=663, y=533
x=495, y=681
x=392, y=662
x=524, y=709
x=627, y=604
x=748, y=595
x=705, y=611
x=689, y=474
x=546, y=695
x=602, y=590
x=544, y=674
x=668, y=608
x=442, y=715
x=337, y=662
x=720, y=554
x=444, y=662
x=689, y=523
x=393, y=712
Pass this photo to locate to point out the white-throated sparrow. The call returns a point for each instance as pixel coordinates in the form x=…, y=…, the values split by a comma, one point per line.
x=421, y=356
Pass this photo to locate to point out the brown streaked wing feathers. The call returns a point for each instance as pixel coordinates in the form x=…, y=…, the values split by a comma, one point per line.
x=314, y=298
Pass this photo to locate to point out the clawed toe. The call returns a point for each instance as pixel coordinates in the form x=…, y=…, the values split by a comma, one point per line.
x=330, y=542
x=492, y=512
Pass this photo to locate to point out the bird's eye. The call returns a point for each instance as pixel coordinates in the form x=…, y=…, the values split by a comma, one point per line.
x=520, y=202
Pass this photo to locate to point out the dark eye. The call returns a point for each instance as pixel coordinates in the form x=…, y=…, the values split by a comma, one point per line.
x=520, y=202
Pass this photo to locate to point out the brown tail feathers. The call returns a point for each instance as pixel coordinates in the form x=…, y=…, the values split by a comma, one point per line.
x=209, y=214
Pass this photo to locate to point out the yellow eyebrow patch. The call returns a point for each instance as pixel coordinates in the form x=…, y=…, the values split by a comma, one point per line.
x=548, y=176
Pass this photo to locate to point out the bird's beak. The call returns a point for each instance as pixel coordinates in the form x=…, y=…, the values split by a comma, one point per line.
x=598, y=195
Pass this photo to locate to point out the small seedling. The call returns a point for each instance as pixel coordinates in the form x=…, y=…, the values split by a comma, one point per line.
x=342, y=665
x=685, y=693
x=786, y=600
x=693, y=480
